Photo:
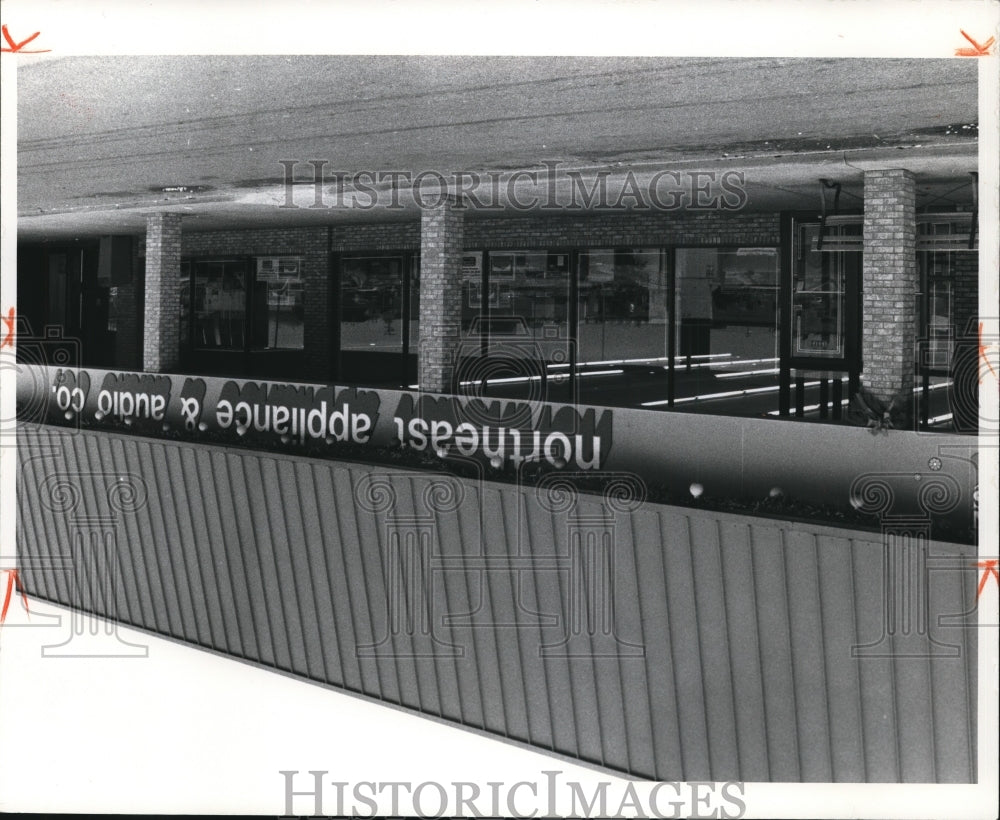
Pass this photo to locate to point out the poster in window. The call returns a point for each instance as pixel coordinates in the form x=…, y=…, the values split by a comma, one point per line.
x=472, y=265
x=502, y=266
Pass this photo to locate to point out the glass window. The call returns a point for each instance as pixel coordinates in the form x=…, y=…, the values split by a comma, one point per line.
x=937, y=332
x=371, y=303
x=727, y=306
x=220, y=301
x=531, y=288
x=622, y=307
x=57, y=289
x=944, y=232
x=113, y=310
x=472, y=288
x=818, y=292
x=278, y=304
x=185, y=318
x=414, y=303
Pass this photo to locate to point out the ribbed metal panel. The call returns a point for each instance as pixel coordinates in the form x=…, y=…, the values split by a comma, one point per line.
x=669, y=644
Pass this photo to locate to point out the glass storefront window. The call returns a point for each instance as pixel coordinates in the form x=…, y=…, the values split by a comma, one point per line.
x=185, y=318
x=818, y=291
x=278, y=308
x=622, y=306
x=727, y=306
x=57, y=288
x=937, y=332
x=220, y=300
x=472, y=288
x=532, y=289
x=371, y=303
x=113, y=312
x=414, y=303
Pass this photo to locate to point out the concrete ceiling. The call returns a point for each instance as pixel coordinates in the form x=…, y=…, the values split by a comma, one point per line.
x=100, y=138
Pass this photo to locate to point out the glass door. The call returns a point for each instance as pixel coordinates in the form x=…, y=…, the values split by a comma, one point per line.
x=819, y=283
x=516, y=318
x=374, y=309
x=726, y=338
x=77, y=304
x=220, y=290
x=623, y=326
x=821, y=289
x=937, y=342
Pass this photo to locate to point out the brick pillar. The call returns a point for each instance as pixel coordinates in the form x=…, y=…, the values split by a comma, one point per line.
x=440, y=296
x=162, y=301
x=890, y=283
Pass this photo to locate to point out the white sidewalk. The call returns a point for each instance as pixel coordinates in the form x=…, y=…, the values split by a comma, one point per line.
x=187, y=731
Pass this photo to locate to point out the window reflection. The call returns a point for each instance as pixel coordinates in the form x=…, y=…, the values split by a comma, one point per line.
x=532, y=286
x=938, y=329
x=622, y=306
x=371, y=303
x=818, y=290
x=472, y=288
x=220, y=296
x=185, y=318
x=727, y=305
x=278, y=309
x=414, y=303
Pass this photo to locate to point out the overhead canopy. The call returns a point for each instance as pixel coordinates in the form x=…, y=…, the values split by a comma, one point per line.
x=104, y=140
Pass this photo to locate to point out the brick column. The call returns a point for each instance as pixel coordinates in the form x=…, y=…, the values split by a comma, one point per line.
x=441, y=232
x=161, y=337
x=890, y=283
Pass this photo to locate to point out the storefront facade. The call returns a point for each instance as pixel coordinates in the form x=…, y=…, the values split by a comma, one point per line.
x=655, y=310
x=630, y=554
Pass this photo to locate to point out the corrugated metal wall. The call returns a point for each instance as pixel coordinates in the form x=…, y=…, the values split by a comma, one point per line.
x=670, y=644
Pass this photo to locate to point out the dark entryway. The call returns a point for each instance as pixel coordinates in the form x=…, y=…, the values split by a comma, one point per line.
x=64, y=302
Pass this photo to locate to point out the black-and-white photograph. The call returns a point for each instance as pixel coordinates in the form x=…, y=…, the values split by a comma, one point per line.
x=619, y=416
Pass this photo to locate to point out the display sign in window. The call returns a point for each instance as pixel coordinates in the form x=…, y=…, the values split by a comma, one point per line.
x=472, y=265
